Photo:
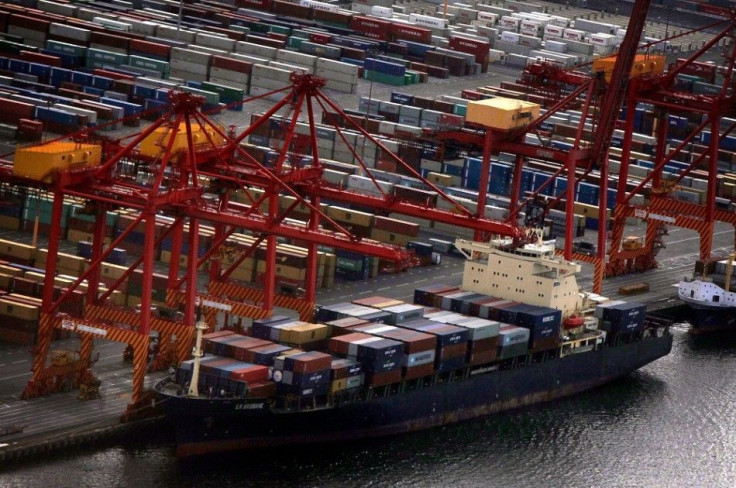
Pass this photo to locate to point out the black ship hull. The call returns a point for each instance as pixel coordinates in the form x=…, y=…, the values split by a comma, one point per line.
x=711, y=319
x=213, y=425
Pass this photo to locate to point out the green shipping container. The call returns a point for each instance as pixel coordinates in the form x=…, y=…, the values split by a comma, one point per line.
x=108, y=57
x=349, y=264
x=279, y=29
x=66, y=48
x=226, y=93
x=211, y=98
x=294, y=42
x=162, y=67
x=459, y=109
x=384, y=78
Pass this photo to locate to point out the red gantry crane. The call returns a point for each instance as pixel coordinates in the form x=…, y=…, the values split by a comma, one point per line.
x=192, y=167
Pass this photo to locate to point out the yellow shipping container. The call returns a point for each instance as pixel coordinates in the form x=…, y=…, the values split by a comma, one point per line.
x=242, y=274
x=11, y=223
x=156, y=143
x=439, y=179
x=390, y=237
x=112, y=270
x=69, y=262
x=17, y=250
x=39, y=162
x=643, y=64
x=5, y=281
x=338, y=385
x=502, y=113
x=353, y=216
x=306, y=333
x=9, y=270
x=19, y=310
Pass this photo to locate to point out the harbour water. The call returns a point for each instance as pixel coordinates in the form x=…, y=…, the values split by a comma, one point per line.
x=670, y=424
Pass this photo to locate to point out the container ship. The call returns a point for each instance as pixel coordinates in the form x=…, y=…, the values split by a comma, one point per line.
x=517, y=332
x=709, y=296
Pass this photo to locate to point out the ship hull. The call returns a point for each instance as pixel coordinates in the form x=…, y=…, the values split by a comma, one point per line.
x=214, y=425
x=706, y=320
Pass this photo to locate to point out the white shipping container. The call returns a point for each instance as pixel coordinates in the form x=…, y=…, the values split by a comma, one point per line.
x=217, y=42
x=331, y=65
x=267, y=52
x=294, y=68
x=366, y=185
x=511, y=37
x=144, y=27
x=556, y=46
x=599, y=39
x=553, y=31
x=573, y=34
x=171, y=32
x=56, y=29
x=428, y=21
x=327, y=7
x=529, y=32
x=190, y=56
x=511, y=22
x=384, y=12
x=182, y=65
x=293, y=57
x=336, y=76
x=488, y=17
x=260, y=71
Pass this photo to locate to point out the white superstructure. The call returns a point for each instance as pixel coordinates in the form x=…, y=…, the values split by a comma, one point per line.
x=531, y=273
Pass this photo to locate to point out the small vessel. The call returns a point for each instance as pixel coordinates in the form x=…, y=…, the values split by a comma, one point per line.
x=710, y=298
x=519, y=332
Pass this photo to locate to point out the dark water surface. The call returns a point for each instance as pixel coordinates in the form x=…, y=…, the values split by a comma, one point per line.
x=672, y=424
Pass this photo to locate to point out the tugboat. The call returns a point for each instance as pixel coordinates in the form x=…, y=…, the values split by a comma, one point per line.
x=531, y=337
x=710, y=299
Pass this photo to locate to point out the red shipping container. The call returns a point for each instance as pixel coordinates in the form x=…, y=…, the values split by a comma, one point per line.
x=372, y=28
x=231, y=64
x=231, y=34
x=319, y=38
x=47, y=59
x=28, y=22
x=411, y=33
x=418, y=371
x=261, y=390
x=265, y=41
x=112, y=74
x=341, y=344
x=277, y=36
x=30, y=125
x=396, y=226
x=342, y=18
x=150, y=48
x=251, y=374
x=112, y=40
x=14, y=110
x=471, y=95
x=380, y=379
x=291, y=9
x=254, y=4
x=702, y=70
x=473, y=46
x=451, y=120
x=308, y=362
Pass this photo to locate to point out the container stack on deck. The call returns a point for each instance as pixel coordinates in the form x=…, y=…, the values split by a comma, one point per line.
x=379, y=341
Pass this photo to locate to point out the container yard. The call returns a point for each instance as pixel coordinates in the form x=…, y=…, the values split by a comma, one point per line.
x=201, y=133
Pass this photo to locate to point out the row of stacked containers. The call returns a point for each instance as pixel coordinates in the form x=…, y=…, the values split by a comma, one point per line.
x=378, y=341
x=68, y=52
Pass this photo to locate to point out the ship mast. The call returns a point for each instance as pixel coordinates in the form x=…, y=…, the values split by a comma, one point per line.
x=200, y=327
